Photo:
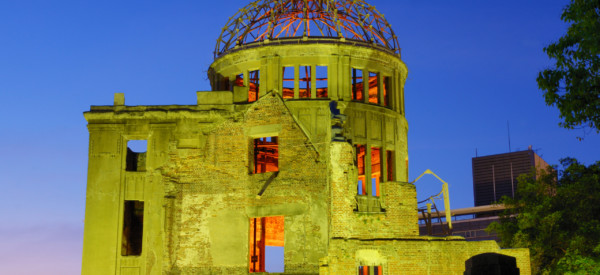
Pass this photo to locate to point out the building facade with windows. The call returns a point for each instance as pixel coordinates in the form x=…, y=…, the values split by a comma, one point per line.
x=300, y=147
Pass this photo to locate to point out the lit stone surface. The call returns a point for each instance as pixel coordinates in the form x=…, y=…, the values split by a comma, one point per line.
x=200, y=188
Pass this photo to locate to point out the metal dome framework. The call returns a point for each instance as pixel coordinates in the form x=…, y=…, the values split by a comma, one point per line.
x=272, y=19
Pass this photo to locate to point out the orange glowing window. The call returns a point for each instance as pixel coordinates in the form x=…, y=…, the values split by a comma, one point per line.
x=266, y=155
x=239, y=80
x=266, y=237
x=288, y=82
x=390, y=165
x=375, y=171
x=304, y=81
x=253, y=83
x=364, y=270
x=322, y=81
x=373, y=88
x=360, y=162
x=357, y=85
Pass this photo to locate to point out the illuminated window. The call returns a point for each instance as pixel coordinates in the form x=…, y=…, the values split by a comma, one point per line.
x=253, y=83
x=390, y=165
x=357, y=85
x=360, y=162
x=239, y=80
x=288, y=82
x=375, y=171
x=322, y=81
x=266, y=155
x=373, y=88
x=133, y=228
x=365, y=270
x=136, y=155
x=304, y=81
x=386, y=91
x=266, y=244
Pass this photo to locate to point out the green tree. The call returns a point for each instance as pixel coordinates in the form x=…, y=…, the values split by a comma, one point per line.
x=573, y=84
x=557, y=216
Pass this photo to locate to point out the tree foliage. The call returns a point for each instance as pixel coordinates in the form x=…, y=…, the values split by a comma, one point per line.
x=557, y=216
x=573, y=84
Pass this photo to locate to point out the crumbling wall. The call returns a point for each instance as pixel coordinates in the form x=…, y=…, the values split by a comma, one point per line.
x=419, y=255
x=398, y=200
x=213, y=195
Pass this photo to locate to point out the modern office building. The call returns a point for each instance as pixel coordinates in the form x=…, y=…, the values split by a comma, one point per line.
x=494, y=176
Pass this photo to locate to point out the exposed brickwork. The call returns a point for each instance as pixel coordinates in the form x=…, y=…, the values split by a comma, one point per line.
x=413, y=256
x=218, y=179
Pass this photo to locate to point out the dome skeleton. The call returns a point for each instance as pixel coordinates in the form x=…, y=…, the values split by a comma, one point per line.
x=272, y=19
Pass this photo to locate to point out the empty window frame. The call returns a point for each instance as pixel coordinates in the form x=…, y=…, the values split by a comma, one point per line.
x=322, y=82
x=304, y=81
x=253, y=85
x=375, y=171
x=289, y=81
x=370, y=270
x=360, y=163
x=266, y=244
x=239, y=80
x=386, y=91
x=266, y=155
x=357, y=85
x=390, y=165
x=373, y=88
x=133, y=228
x=225, y=84
x=136, y=155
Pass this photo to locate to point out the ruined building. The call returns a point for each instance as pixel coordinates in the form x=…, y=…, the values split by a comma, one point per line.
x=300, y=145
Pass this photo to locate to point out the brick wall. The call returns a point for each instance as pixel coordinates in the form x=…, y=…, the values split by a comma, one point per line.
x=214, y=195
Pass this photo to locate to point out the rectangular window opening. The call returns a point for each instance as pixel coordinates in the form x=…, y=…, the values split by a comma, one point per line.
x=266, y=155
x=288, y=82
x=386, y=91
x=253, y=83
x=390, y=165
x=136, y=155
x=133, y=228
x=224, y=84
x=239, y=80
x=267, y=244
x=373, y=88
x=375, y=171
x=360, y=163
x=304, y=81
x=365, y=270
x=322, y=81
x=357, y=85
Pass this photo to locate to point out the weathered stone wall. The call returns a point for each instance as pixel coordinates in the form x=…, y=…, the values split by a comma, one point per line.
x=214, y=194
x=399, y=200
x=419, y=255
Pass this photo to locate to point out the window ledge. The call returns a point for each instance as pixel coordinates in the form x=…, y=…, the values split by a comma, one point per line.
x=368, y=204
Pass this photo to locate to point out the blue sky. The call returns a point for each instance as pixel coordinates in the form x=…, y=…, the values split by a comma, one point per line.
x=472, y=67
